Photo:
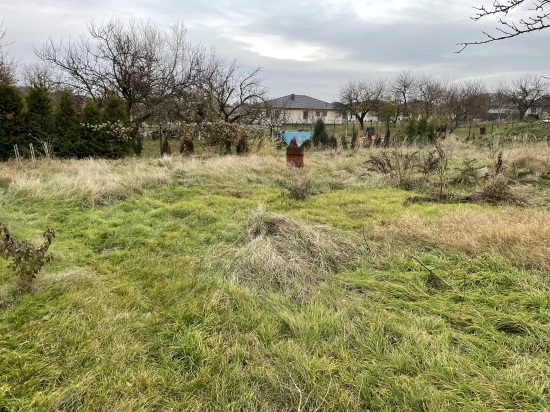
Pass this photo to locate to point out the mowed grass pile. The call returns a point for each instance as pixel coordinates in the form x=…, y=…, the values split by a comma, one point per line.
x=203, y=284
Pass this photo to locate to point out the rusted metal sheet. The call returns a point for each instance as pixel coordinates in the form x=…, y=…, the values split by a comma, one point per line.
x=295, y=156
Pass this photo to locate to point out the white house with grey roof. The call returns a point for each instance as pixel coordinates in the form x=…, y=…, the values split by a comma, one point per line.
x=302, y=109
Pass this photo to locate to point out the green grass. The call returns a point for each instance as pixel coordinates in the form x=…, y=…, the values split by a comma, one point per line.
x=140, y=311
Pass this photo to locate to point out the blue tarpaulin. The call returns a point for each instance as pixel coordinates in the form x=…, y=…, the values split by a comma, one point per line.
x=300, y=137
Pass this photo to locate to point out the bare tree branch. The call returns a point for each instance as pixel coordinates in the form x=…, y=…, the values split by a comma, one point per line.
x=8, y=66
x=539, y=19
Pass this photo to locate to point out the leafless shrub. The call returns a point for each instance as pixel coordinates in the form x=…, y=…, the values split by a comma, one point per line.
x=298, y=185
x=466, y=175
x=497, y=190
x=499, y=164
x=397, y=165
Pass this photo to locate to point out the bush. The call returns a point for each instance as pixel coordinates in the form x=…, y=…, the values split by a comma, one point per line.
x=411, y=131
x=26, y=260
x=137, y=145
x=11, y=105
x=320, y=135
x=66, y=142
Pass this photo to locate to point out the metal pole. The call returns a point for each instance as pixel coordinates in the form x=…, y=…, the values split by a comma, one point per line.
x=1, y=140
x=160, y=138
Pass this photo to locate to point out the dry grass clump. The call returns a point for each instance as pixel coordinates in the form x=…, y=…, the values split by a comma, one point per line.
x=497, y=190
x=288, y=254
x=530, y=169
x=521, y=236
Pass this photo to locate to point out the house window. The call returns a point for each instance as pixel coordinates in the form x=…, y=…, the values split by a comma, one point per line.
x=305, y=115
x=324, y=114
x=317, y=114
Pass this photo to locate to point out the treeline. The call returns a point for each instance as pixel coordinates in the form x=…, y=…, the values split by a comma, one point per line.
x=428, y=99
x=131, y=74
x=54, y=126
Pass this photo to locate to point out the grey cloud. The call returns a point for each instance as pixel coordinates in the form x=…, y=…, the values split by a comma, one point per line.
x=376, y=42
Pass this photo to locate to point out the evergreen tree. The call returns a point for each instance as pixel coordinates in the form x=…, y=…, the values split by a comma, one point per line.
x=39, y=122
x=431, y=130
x=422, y=128
x=91, y=118
x=320, y=134
x=114, y=110
x=90, y=113
x=116, y=137
x=67, y=133
x=412, y=129
x=11, y=106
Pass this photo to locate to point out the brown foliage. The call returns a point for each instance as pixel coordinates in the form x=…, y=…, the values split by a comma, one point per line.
x=387, y=138
x=367, y=142
x=377, y=139
x=166, y=150
x=333, y=141
x=356, y=142
x=344, y=143
x=186, y=146
x=242, y=145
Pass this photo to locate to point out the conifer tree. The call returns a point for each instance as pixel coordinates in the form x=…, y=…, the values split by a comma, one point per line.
x=114, y=110
x=67, y=133
x=91, y=118
x=90, y=113
x=11, y=106
x=320, y=134
x=39, y=122
x=114, y=123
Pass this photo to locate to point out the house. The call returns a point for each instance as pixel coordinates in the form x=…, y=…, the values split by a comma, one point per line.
x=300, y=109
x=502, y=109
x=541, y=109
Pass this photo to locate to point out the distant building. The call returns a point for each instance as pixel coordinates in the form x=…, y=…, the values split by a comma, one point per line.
x=502, y=109
x=301, y=109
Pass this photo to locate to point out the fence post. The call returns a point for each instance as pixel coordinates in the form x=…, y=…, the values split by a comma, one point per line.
x=160, y=138
x=1, y=141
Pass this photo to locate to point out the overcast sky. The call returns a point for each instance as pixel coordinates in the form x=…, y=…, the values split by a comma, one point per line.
x=306, y=47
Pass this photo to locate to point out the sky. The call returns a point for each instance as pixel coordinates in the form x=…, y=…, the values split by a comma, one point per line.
x=306, y=47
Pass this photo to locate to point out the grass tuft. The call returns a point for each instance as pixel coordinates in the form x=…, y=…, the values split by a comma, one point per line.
x=288, y=254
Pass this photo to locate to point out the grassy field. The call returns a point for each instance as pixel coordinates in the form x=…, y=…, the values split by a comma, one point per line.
x=235, y=283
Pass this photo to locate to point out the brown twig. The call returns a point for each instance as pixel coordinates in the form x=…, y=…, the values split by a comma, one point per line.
x=432, y=272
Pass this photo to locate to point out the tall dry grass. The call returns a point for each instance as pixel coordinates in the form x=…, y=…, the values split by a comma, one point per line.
x=102, y=182
x=522, y=236
x=287, y=254
x=92, y=181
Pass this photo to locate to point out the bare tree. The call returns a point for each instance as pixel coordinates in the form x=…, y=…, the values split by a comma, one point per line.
x=8, y=65
x=499, y=100
x=538, y=19
x=237, y=96
x=359, y=97
x=403, y=87
x=525, y=92
x=276, y=115
x=142, y=63
x=40, y=73
x=430, y=94
x=464, y=102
